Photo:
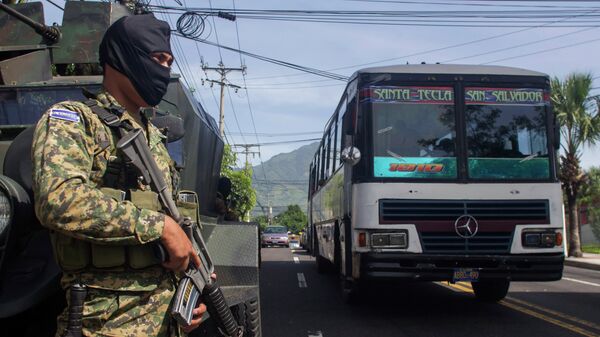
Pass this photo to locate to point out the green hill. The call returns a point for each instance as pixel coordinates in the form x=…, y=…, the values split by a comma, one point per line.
x=286, y=180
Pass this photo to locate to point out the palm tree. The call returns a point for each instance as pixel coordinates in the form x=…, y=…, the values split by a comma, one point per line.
x=580, y=125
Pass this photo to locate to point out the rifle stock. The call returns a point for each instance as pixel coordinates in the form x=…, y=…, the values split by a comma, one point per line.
x=197, y=281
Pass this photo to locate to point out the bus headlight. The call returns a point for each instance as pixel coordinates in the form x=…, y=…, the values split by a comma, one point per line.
x=541, y=239
x=390, y=240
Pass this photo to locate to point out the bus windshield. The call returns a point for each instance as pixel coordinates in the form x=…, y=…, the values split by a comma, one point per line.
x=413, y=131
x=506, y=133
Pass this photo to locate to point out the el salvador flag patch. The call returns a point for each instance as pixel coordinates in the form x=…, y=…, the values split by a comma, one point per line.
x=66, y=115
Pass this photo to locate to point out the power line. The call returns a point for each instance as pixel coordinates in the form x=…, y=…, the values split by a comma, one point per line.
x=457, y=18
x=237, y=32
x=275, y=61
x=299, y=87
x=216, y=34
x=282, y=134
x=55, y=5
x=467, y=4
x=429, y=51
x=237, y=122
x=286, y=142
x=542, y=51
x=529, y=43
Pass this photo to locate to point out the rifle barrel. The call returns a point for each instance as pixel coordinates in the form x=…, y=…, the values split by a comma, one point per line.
x=52, y=34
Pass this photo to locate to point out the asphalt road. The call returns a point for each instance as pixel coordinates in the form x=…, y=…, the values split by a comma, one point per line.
x=298, y=302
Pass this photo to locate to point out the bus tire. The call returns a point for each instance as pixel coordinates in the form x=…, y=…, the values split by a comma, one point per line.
x=490, y=290
x=337, y=250
x=247, y=315
x=351, y=291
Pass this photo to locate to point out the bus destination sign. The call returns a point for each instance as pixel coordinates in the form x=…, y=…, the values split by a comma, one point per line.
x=517, y=96
x=423, y=95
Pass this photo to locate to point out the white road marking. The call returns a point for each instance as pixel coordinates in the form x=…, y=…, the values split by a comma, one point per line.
x=302, y=281
x=296, y=260
x=315, y=334
x=582, y=282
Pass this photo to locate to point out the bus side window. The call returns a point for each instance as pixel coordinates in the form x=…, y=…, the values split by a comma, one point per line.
x=348, y=124
x=332, y=153
x=323, y=161
x=327, y=155
x=310, y=181
x=340, y=137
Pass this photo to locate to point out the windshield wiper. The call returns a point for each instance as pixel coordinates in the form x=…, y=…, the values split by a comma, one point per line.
x=395, y=155
x=384, y=130
x=531, y=156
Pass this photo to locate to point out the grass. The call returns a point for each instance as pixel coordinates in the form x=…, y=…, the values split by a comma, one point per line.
x=595, y=249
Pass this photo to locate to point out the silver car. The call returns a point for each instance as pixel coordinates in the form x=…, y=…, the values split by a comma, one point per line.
x=274, y=236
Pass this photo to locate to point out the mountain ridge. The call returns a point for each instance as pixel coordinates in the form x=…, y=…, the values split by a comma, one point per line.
x=286, y=180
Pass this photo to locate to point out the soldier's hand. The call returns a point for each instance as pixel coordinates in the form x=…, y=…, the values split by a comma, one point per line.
x=179, y=248
x=197, y=313
x=196, y=319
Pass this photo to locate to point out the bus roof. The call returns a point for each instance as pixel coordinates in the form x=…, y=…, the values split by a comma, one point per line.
x=458, y=69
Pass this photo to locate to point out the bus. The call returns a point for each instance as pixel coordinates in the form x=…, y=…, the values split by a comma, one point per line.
x=435, y=172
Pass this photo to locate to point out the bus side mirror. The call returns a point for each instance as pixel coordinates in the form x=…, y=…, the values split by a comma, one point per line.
x=351, y=155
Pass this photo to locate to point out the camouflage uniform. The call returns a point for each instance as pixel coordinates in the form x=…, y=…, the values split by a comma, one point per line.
x=71, y=151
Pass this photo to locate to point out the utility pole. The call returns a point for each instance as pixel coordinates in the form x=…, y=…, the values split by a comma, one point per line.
x=247, y=150
x=221, y=70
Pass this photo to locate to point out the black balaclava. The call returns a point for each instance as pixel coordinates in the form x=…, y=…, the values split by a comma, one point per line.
x=127, y=46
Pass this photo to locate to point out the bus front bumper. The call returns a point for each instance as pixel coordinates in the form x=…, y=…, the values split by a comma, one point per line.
x=423, y=267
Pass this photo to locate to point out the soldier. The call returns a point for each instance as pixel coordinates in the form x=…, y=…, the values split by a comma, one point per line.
x=104, y=221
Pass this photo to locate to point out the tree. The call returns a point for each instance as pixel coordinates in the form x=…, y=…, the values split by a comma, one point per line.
x=590, y=196
x=580, y=125
x=243, y=196
x=262, y=220
x=293, y=218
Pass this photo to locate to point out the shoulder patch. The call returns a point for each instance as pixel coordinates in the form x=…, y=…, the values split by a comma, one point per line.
x=64, y=114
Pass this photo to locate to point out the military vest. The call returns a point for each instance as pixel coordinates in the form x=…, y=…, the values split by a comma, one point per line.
x=120, y=183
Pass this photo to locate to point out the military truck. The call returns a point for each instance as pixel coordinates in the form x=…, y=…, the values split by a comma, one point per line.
x=41, y=65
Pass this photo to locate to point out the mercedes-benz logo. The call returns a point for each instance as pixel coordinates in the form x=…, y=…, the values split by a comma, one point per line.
x=466, y=226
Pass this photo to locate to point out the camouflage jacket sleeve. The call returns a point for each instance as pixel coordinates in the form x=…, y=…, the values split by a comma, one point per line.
x=67, y=140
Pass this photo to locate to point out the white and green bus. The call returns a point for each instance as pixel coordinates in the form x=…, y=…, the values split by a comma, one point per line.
x=439, y=173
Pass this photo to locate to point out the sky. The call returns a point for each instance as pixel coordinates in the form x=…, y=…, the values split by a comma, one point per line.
x=278, y=104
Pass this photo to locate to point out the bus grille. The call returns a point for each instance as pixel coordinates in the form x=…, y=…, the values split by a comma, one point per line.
x=481, y=243
x=394, y=210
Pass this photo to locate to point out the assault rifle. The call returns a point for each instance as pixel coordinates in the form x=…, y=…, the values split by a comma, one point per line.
x=197, y=281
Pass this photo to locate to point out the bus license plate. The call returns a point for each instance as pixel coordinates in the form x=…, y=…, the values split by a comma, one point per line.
x=465, y=275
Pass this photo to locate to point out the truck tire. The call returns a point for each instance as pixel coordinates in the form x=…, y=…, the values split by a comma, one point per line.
x=490, y=290
x=247, y=315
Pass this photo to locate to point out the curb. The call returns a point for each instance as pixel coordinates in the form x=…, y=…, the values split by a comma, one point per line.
x=581, y=264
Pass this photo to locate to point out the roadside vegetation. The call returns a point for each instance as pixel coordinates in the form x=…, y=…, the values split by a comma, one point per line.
x=590, y=197
x=593, y=249
x=577, y=113
x=293, y=219
x=243, y=196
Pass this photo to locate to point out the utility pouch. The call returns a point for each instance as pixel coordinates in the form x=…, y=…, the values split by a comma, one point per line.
x=113, y=193
x=142, y=256
x=70, y=253
x=145, y=199
x=187, y=203
x=104, y=256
